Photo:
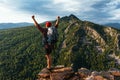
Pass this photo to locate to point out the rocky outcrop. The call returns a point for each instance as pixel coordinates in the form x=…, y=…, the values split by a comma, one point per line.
x=67, y=73
x=71, y=25
x=114, y=36
x=112, y=32
x=57, y=73
x=115, y=57
x=67, y=30
x=96, y=36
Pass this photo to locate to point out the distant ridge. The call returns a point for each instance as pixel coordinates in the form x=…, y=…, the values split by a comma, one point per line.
x=115, y=25
x=14, y=25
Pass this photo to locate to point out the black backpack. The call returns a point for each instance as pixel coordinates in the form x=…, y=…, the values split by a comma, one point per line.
x=51, y=37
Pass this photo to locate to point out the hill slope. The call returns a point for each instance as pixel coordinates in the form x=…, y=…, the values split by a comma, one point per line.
x=81, y=44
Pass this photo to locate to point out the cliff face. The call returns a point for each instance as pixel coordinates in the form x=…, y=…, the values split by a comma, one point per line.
x=67, y=73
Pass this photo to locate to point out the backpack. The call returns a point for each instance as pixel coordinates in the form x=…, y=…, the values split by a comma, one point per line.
x=52, y=36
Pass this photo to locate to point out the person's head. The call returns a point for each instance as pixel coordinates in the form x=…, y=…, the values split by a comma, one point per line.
x=48, y=24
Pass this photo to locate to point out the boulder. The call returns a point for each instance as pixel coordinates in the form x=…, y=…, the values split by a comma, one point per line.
x=107, y=75
x=57, y=73
x=83, y=72
x=66, y=73
x=114, y=72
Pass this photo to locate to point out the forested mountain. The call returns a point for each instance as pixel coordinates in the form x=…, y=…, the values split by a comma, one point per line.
x=81, y=44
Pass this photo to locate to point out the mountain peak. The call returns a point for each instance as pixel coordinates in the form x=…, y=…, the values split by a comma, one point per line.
x=72, y=16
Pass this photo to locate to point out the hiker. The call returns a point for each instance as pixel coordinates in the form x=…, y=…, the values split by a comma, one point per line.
x=47, y=45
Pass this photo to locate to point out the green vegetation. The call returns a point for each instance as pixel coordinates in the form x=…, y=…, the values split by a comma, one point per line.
x=22, y=53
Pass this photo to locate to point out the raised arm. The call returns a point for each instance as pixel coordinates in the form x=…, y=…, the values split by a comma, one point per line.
x=57, y=22
x=36, y=24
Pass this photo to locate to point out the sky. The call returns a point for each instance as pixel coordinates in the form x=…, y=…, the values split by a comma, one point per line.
x=98, y=11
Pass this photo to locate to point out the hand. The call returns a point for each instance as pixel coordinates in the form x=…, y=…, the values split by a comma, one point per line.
x=58, y=17
x=33, y=16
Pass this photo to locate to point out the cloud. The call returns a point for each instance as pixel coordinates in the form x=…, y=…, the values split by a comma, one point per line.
x=12, y=16
x=115, y=15
x=67, y=5
x=98, y=11
x=103, y=11
x=13, y=11
x=112, y=9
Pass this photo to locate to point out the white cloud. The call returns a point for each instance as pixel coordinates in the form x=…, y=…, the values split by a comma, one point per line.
x=10, y=13
x=75, y=5
x=113, y=3
x=7, y=15
x=113, y=9
x=115, y=14
x=95, y=10
x=67, y=5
